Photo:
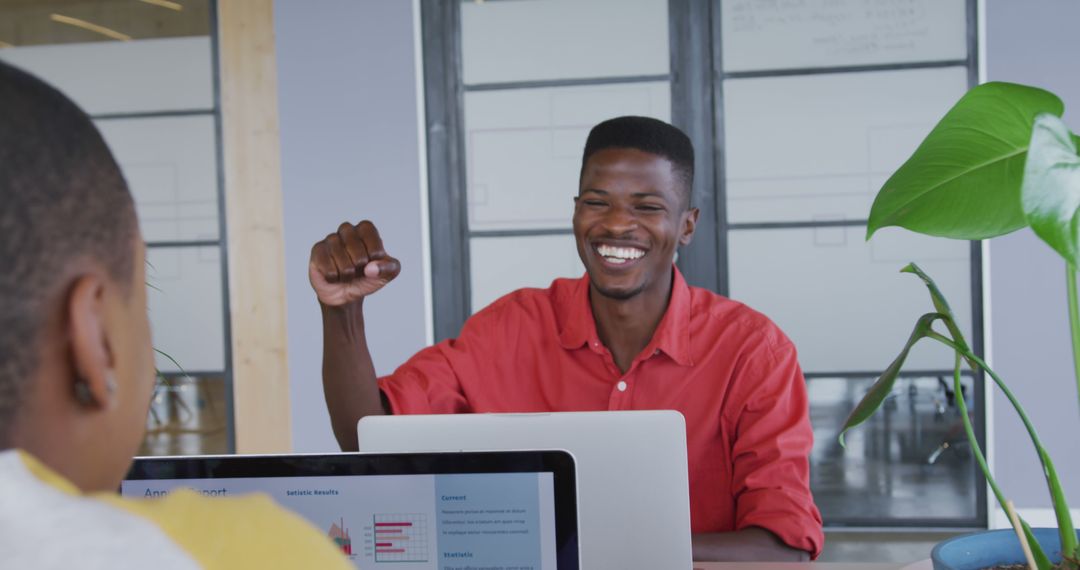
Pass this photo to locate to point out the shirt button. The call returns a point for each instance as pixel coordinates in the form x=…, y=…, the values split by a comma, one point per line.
x=621, y=386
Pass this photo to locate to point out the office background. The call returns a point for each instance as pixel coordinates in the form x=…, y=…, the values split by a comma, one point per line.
x=469, y=170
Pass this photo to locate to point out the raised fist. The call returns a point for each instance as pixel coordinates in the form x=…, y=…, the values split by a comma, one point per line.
x=350, y=264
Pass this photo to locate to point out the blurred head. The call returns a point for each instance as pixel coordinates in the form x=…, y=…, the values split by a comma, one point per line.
x=76, y=366
x=633, y=206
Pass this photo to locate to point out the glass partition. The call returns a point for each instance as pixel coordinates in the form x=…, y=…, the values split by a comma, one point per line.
x=144, y=70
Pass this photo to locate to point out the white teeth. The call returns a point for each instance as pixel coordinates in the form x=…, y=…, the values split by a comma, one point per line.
x=620, y=253
x=615, y=260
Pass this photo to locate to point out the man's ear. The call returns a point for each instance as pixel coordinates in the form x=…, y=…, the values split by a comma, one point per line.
x=689, y=224
x=91, y=353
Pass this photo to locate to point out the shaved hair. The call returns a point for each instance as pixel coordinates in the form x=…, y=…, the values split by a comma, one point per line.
x=62, y=200
x=647, y=135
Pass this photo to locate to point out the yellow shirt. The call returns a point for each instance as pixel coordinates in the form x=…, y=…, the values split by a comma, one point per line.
x=45, y=522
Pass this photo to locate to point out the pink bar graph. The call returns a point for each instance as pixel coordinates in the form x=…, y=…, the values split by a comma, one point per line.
x=401, y=538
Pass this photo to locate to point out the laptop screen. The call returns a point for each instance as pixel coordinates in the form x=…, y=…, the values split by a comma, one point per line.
x=417, y=511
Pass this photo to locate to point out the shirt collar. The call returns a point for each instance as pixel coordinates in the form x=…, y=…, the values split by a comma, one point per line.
x=46, y=475
x=672, y=336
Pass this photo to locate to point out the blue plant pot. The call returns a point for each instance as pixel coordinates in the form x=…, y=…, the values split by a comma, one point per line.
x=992, y=548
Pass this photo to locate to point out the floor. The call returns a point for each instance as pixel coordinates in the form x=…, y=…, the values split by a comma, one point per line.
x=909, y=462
x=188, y=416
x=883, y=547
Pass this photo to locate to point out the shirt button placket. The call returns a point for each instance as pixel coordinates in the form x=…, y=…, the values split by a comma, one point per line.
x=619, y=395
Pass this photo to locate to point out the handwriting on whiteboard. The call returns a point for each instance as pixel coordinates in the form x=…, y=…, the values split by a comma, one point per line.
x=845, y=29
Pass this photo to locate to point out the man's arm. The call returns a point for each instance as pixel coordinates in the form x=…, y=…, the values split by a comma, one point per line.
x=747, y=545
x=349, y=381
x=346, y=267
x=771, y=449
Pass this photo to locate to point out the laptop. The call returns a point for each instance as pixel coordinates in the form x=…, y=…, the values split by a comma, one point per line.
x=633, y=492
x=403, y=511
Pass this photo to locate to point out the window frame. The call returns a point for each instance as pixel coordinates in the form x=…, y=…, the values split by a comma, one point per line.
x=697, y=77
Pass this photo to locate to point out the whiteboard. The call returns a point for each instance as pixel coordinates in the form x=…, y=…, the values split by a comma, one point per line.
x=523, y=148
x=170, y=165
x=843, y=301
x=818, y=147
x=504, y=264
x=563, y=39
x=787, y=34
x=186, y=308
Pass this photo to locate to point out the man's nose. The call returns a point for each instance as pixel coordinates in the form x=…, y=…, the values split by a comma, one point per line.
x=620, y=220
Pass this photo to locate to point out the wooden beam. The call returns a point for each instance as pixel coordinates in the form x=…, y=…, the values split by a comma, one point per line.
x=254, y=220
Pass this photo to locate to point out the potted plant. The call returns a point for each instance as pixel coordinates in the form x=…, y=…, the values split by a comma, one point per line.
x=1001, y=159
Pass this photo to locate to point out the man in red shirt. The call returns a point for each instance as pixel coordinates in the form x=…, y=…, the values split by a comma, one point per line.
x=630, y=334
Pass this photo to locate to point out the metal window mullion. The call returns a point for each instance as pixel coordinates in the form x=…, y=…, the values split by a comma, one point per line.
x=173, y=244
x=200, y=374
x=750, y=226
x=219, y=155
x=870, y=375
x=692, y=111
x=576, y=82
x=719, y=151
x=154, y=114
x=827, y=70
x=521, y=233
x=978, y=322
x=443, y=103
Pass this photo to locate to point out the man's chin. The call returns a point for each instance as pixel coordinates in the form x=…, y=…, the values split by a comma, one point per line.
x=618, y=293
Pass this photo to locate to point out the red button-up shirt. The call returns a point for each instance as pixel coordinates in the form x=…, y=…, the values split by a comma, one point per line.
x=729, y=370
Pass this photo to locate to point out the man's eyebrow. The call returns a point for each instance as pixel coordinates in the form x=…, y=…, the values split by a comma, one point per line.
x=653, y=194
x=595, y=191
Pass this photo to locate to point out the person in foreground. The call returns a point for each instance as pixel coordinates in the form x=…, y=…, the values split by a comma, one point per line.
x=630, y=334
x=77, y=370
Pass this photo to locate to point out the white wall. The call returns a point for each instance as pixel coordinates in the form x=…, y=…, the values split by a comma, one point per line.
x=1033, y=43
x=351, y=150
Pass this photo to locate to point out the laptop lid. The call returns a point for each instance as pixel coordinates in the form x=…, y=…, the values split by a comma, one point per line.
x=633, y=489
x=407, y=510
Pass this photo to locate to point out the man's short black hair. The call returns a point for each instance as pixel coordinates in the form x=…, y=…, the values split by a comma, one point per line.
x=62, y=200
x=647, y=135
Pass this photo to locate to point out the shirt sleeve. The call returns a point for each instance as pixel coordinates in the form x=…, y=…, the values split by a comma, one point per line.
x=771, y=449
x=427, y=383
x=434, y=380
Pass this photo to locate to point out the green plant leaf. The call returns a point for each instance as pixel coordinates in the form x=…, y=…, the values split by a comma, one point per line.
x=881, y=388
x=963, y=181
x=941, y=306
x=1051, y=189
x=171, y=359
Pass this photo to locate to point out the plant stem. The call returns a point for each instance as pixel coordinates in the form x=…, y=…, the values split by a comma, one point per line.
x=1074, y=321
x=1042, y=562
x=961, y=406
x=1057, y=495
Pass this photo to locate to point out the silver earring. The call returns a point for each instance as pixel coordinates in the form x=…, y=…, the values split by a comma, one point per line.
x=110, y=383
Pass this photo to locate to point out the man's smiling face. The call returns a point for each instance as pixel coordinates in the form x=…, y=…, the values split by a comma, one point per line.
x=630, y=215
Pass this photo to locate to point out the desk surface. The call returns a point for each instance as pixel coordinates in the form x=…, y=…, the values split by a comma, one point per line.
x=921, y=565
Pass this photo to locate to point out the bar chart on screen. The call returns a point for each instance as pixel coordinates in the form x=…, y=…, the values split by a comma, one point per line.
x=401, y=537
x=339, y=534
